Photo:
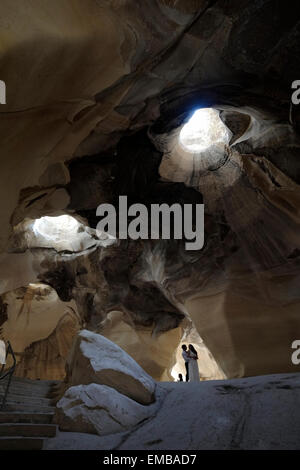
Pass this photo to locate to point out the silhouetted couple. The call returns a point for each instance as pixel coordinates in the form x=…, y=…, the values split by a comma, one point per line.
x=190, y=358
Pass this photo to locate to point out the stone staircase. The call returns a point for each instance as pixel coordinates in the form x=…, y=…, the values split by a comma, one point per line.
x=27, y=417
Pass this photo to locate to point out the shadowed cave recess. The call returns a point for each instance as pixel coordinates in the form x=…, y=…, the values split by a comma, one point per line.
x=105, y=112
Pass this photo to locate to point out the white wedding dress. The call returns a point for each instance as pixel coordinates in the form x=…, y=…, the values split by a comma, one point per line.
x=194, y=371
x=2, y=352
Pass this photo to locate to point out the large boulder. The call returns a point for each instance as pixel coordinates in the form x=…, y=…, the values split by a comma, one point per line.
x=99, y=409
x=95, y=359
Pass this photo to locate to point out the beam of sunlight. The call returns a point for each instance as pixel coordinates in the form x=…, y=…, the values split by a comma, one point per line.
x=203, y=130
x=54, y=227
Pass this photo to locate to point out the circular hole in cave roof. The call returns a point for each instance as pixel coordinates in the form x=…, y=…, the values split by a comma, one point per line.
x=203, y=130
x=55, y=227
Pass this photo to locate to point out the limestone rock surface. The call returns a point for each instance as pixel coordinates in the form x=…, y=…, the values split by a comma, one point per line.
x=99, y=409
x=155, y=354
x=40, y=328
x=95, y=359
x=261, y=413
x=109, y=85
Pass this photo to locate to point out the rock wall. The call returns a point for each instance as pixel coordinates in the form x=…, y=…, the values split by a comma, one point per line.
x=40, y=328
x=108, y=87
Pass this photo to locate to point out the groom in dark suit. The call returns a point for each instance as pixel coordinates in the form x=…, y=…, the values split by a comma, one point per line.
x=186, y=359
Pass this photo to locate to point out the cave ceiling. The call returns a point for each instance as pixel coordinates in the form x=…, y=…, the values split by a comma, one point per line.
x=97, y=93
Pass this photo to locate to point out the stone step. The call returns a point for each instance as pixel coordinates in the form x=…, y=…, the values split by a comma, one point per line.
x=27, y=400
x=21, y=417
x=28, y=414
x=29, y=408
x=25, y=391
x=27, y=430
x=32, y=384
x=21, y=443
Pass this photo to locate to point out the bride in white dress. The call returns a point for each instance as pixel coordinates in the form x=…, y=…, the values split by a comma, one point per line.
x=2, y=352
x=193, y=364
